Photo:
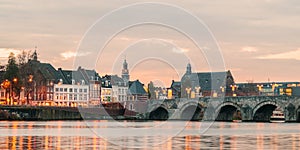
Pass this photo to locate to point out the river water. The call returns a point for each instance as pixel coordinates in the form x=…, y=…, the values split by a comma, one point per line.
x=147, y=135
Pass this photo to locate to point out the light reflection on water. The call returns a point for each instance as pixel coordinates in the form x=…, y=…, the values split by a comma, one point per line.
x=77, y=135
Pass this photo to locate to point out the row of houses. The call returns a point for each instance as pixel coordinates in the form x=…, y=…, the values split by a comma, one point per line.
x=45, y=85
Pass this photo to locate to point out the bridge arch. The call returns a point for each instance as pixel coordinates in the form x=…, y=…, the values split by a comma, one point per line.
x=159, y=112
x=191, y=111
x=227, y=110
x=263, y=111
x=298, y=114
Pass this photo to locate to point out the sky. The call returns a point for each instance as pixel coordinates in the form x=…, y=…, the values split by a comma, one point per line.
x=257, y=39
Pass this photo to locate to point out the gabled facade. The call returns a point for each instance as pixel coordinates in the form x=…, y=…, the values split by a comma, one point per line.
x=199, y=84
x=106, y=89
x=39, y=79
x=114, y=89
x=136, y=91
x=77, y=88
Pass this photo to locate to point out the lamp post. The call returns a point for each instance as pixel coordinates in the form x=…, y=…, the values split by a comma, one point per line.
x=233, y=88
x=188, y=91
x=198, y=88
x=6, y=85
x=34, y=86
x=222, y=90
x=9, y=85
x=259, y=89
x=15, y=80
x=156, y=94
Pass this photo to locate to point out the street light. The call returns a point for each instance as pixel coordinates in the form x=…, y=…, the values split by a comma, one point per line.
x=198, y=88
x=222, y=89
x=188, y=91
x=34, y=86
x=9, y=85
x=156, y=94
x=233, y=88
x=6, y=84
x=274, y=87
x=15, y=80
x=259, y=89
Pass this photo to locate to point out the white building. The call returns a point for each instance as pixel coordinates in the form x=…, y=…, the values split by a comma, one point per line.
x=71, y=95
x=80, y=87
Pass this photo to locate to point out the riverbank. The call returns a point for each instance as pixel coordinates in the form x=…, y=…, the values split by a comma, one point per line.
x=44, y=113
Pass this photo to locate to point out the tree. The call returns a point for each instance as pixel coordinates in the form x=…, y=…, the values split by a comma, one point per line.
x=12, y=73
x=12, y=70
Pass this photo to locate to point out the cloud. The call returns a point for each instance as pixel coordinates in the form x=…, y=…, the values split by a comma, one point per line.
x=180, y=50
x=71, y=54
x=249, y=49
x=4, y=53
x=285, y=55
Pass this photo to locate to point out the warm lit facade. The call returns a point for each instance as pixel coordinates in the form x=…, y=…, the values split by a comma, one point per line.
x=2, y=96
x=114, y=89
x=95, y=92
x=106, y=90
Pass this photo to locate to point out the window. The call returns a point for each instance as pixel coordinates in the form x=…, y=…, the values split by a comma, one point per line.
x=60, y=89
x=71, y=90
x=71, y=97
x=65, y=90
x=56, y=89
x=85, y=90
x=80, y=90
x=75, y=90
x=75, y=97
x=131, y=107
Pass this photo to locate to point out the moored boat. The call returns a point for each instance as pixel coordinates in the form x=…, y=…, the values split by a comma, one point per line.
x=277, y=116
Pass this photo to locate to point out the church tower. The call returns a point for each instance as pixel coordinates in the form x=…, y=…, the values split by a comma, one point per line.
x=34, y=55
x=188, y=69
x=125, y=71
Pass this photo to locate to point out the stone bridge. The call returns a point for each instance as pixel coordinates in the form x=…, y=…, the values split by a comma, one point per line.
x=256, y=108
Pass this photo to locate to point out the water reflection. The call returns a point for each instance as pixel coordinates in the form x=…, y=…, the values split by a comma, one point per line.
x=68, y=135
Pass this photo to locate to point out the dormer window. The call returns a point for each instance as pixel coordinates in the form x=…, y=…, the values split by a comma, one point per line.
x=82, y=82
x=73, y=81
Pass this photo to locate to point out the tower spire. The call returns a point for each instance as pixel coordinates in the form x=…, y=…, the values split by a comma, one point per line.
x=35, y=54
x=188, y=68
x=125, y=71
